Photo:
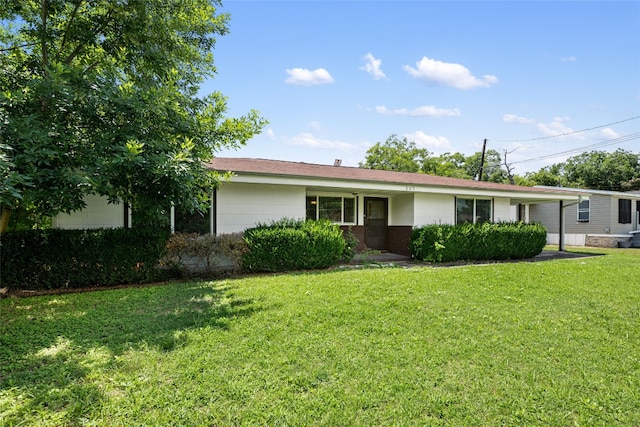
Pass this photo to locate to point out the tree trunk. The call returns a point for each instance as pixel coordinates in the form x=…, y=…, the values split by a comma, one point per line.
x=4, y=219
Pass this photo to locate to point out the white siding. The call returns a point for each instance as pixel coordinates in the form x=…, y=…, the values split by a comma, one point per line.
x=501, y=209
x=569, y=239
x=401, y=210
x=97, y=214
x=240, y=206
x=434, y=209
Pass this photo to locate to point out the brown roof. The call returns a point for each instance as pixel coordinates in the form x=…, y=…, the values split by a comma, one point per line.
x=346, y=173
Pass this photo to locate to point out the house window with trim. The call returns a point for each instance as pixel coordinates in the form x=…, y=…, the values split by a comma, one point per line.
x=192, y=222
x=583, y=211
x=341, y=210
x=475, y=211
x=624, y=211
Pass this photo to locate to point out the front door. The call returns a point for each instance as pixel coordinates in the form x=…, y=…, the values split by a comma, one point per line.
x=375, y=223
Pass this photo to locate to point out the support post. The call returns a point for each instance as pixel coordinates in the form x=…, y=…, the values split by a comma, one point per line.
x=561, y=228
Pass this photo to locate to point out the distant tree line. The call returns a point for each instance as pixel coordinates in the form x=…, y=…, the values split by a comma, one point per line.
x=596, y=170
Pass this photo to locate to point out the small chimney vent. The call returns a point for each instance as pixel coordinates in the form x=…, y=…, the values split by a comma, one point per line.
x=337, y=162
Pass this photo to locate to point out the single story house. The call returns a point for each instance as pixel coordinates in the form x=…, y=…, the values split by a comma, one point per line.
x=603, y=220
x=380, y=207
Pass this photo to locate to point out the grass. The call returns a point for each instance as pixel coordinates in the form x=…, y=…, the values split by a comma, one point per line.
x=554, y=343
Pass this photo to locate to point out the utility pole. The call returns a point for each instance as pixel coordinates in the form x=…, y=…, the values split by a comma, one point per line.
x=484, y=148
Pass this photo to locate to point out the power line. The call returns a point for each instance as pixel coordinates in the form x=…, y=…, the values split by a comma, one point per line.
x=600, y=144
x=606, y=143
x=566, y=133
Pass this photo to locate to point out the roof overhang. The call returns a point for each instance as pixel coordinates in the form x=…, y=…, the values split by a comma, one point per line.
x=515, y=194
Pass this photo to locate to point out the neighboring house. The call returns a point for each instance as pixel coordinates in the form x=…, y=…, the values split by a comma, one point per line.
x=380, y=207
x=603, y=220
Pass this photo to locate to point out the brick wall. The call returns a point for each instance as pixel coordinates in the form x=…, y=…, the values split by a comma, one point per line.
x=358, y=232
x=604, y=241
x=399, y=237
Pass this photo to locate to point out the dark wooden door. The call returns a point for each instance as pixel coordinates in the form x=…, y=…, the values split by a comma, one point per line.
x=375, y=223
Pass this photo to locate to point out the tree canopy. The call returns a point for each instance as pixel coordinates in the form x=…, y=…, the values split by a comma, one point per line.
x=596, y=170
x=103, y=97
x=396, y=154
x=405, y=156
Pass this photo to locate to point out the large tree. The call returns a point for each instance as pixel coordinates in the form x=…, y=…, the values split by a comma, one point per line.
x=599, y=170
x=103, y=96
x=491, y=169
x=448, y=164
x=405, y=156
x=595, y=170
x=397, y=155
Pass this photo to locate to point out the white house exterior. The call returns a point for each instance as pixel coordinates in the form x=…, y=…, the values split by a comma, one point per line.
x=603, y=219
x=380, y=207
x=97, y=214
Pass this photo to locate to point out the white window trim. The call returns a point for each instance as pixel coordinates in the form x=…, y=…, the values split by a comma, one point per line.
x=342, y=197
x=475, y=207
x=588, y=210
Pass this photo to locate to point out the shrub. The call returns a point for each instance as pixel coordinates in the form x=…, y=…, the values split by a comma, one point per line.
x=350, y=245
x=487, y=241
x=56, y=258
x=205, y=255
x=288, y=244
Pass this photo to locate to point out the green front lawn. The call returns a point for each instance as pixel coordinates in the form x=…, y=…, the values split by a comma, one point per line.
x=552, y=343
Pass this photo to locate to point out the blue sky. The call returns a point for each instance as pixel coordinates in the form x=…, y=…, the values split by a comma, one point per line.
x=335, y=77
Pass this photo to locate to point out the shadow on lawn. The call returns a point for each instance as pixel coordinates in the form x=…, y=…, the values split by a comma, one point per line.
x=50, y=345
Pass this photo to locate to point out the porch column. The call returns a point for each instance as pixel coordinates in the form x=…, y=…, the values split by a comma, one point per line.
x=561, y=228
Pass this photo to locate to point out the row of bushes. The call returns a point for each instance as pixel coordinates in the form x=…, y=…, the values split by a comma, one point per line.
x=283, y=245
x=55, y=258
x=487, y=241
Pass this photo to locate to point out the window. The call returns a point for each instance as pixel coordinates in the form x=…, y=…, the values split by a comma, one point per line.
x=464, y=211
x=483, y=211
x=335, y=209
x=475, y=211
x=624, y=211
x=583, y=211
x=196, y=222
x=349, y=210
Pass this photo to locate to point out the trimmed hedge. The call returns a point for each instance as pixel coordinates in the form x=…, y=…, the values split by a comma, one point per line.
x=289, y=244
x=487, y=241
x=57, y=258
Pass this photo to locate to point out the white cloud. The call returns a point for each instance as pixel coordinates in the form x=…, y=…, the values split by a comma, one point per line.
x=609, y=133
x=557, y=127
x=424, y=111
x=568, y=59
x=310, y=141
x=304, y=77
x=433, y=143
x=449, y=74
x=513, y=118
x=373, y=67
x=270, y=134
